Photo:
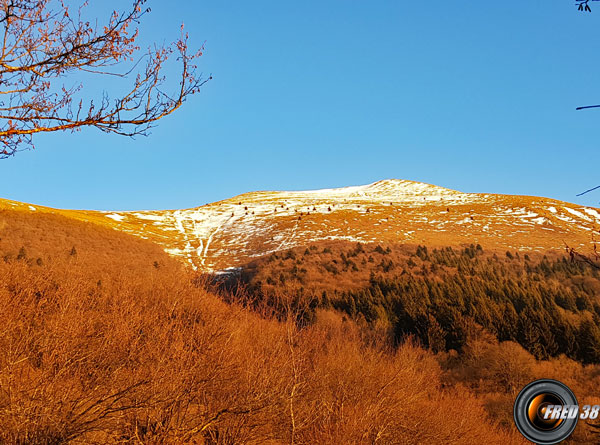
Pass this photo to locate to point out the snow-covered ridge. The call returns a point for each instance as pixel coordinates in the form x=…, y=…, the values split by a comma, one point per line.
x=231, y=232
x=385, y=190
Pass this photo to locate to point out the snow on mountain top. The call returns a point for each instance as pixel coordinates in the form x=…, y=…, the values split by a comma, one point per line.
x=384, y=191
x=231, y=232
x=383, y=187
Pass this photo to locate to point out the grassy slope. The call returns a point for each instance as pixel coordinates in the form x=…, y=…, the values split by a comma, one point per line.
x=232, y=232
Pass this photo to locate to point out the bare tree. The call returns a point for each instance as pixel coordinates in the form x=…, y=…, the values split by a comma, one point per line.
x=44, y=43
x=592, y=259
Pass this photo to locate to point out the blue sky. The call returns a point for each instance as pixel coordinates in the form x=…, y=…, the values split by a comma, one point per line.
x=474, y=96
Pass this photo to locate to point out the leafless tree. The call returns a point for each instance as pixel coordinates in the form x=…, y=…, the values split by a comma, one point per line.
x=592, y=258
x=46, y=49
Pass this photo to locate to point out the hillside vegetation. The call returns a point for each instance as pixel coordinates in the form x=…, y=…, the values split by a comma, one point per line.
x=105, y=339
x=549, y=305
x=495, y=321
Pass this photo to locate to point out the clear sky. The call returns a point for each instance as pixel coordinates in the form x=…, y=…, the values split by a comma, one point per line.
x=474, y=96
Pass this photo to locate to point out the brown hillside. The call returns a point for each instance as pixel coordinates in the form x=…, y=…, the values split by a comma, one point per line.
x=111, y=342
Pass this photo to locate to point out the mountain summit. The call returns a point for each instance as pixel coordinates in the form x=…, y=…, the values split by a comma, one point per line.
x=230, y=233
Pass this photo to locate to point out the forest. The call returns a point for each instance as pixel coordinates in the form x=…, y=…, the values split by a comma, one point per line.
x=547, y=303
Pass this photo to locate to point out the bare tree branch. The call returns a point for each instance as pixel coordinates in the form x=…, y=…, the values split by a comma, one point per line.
x=589, y=190
x=43, y=42
x=583, y=5
x=587, y=106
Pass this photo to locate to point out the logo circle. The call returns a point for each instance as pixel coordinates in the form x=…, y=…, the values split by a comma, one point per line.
x=531, y=407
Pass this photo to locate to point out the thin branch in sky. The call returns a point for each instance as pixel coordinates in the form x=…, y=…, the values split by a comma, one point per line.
x=590, y=190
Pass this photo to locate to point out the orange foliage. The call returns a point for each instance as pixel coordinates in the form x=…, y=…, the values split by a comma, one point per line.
x=114, y=343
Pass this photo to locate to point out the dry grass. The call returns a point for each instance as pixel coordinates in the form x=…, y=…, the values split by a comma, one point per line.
x=114, y=343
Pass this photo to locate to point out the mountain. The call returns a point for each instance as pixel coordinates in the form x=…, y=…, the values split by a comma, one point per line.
x=230, y=233
x=104, y=339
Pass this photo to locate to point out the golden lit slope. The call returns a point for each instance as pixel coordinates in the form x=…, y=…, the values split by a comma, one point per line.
x=229, y=233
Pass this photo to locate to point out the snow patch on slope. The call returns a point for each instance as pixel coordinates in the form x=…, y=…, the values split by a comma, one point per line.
x=115, y=216
x=577, y=214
